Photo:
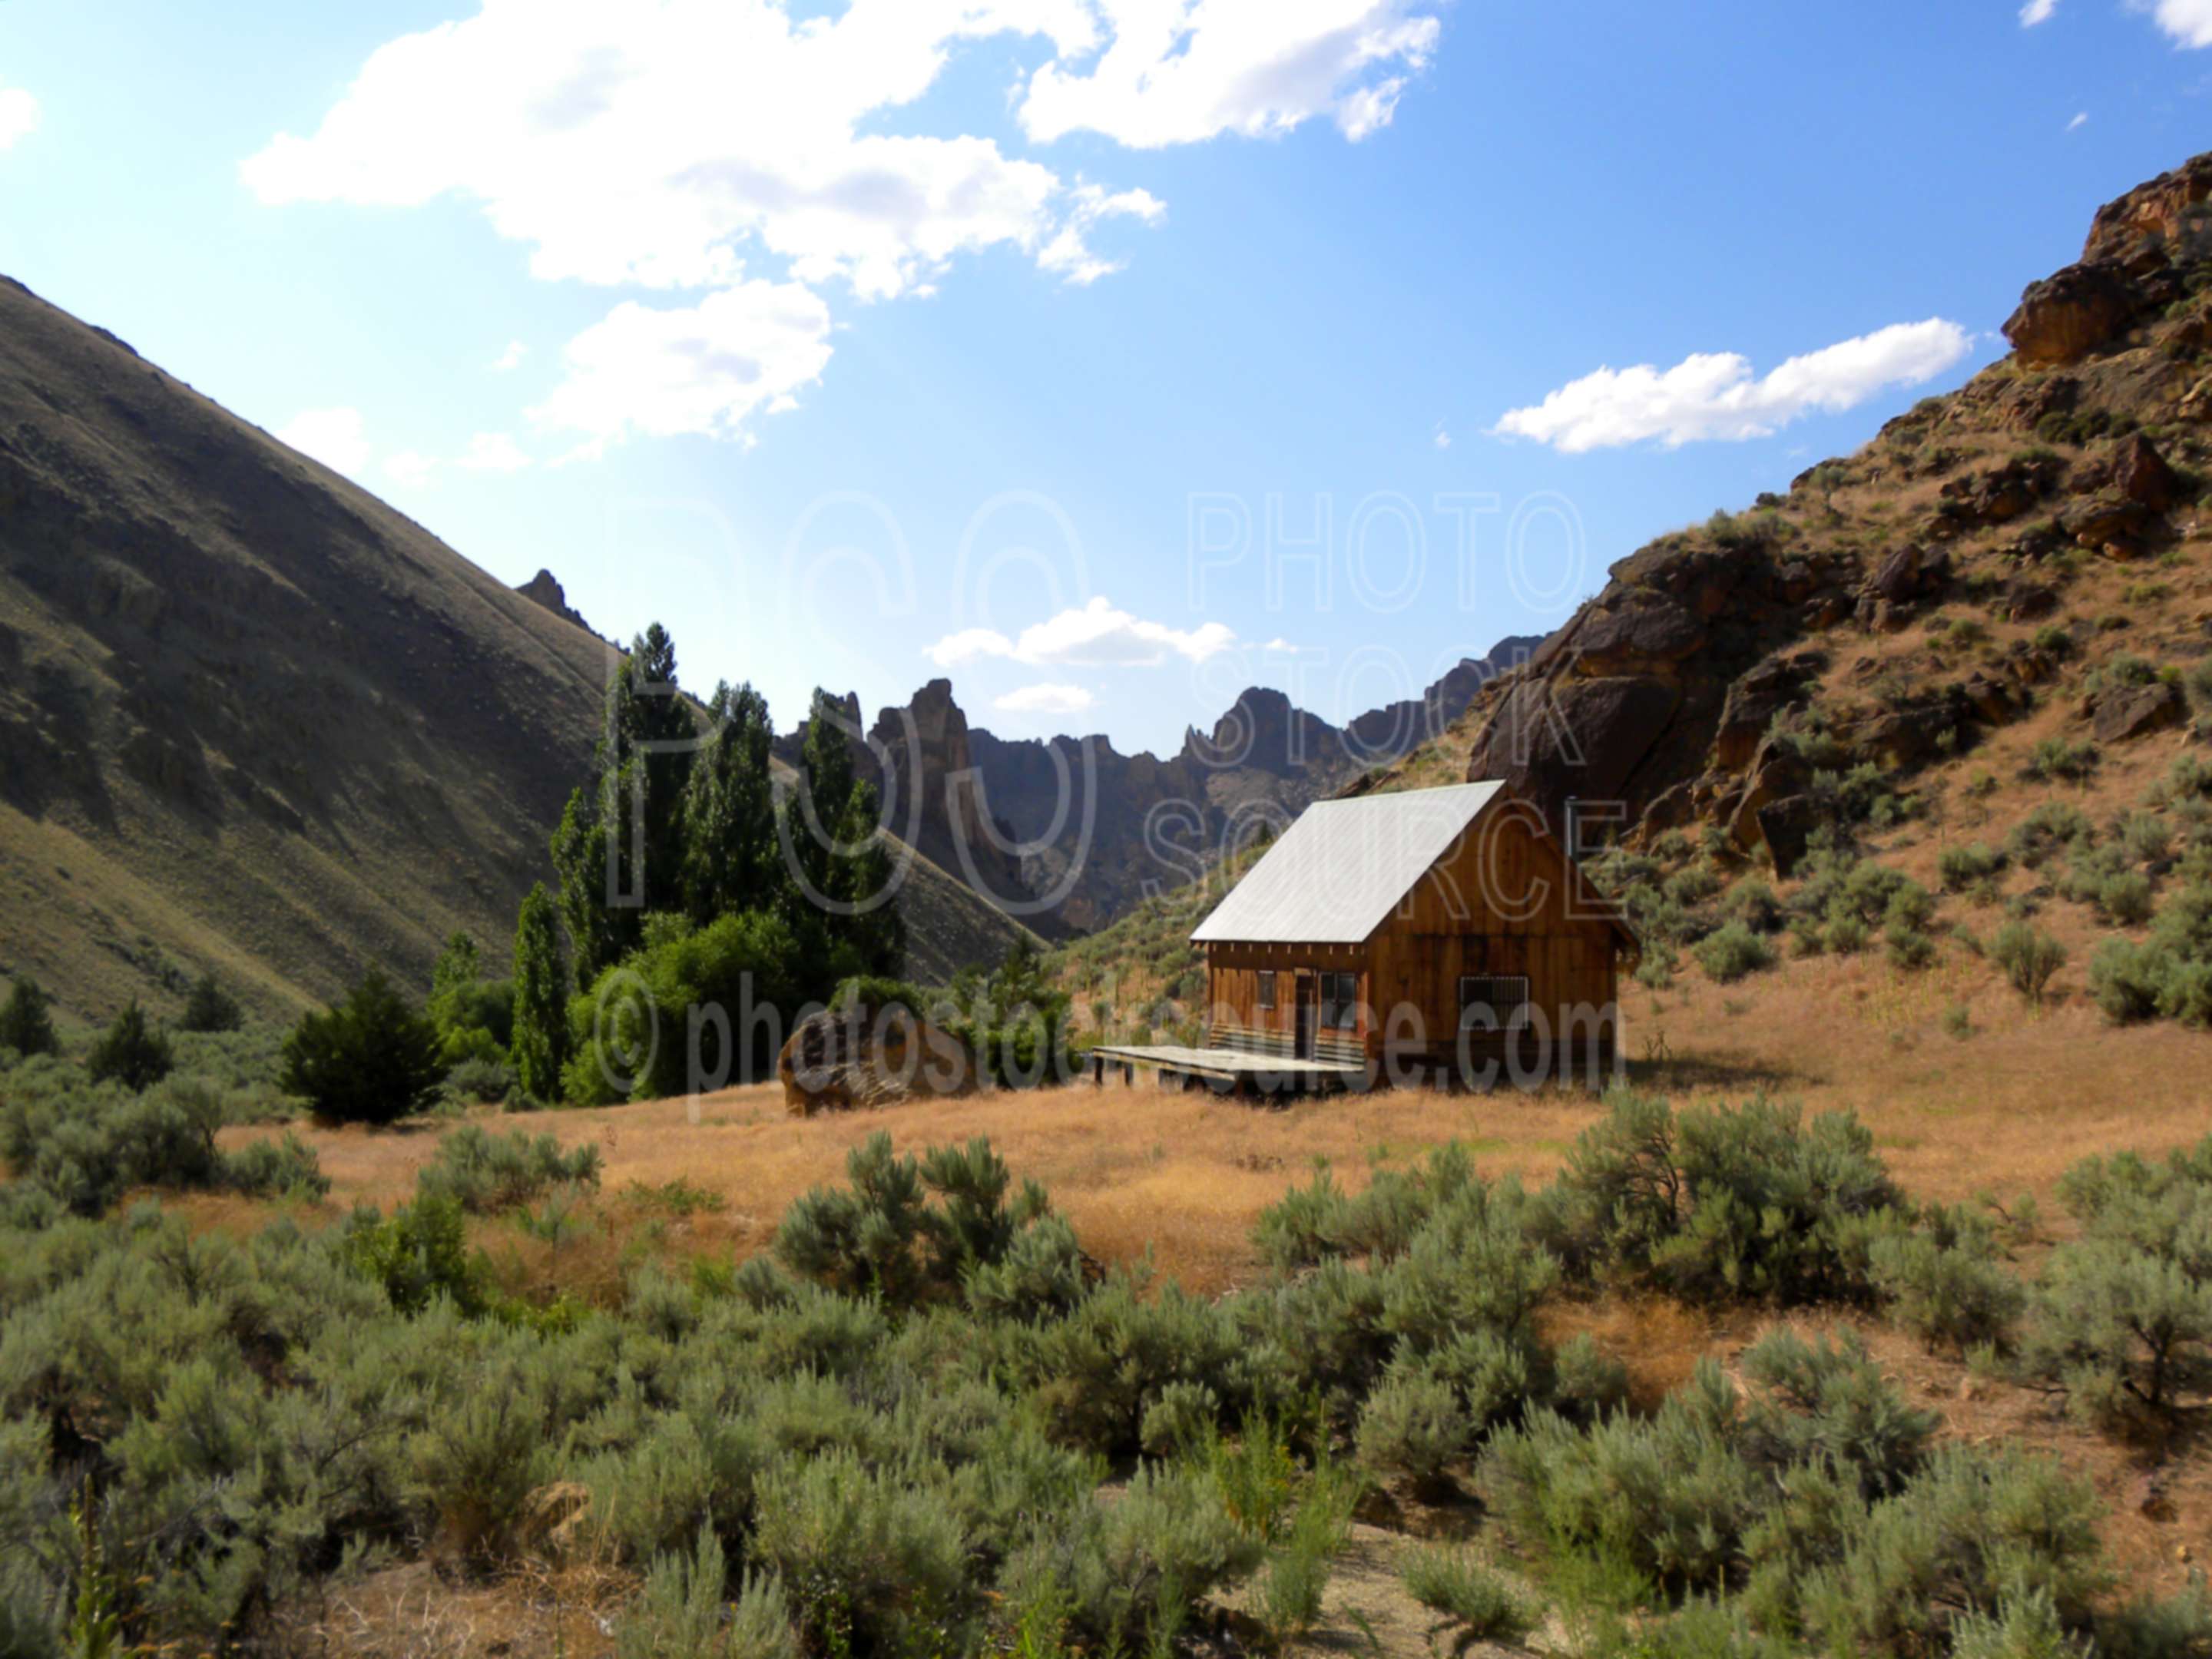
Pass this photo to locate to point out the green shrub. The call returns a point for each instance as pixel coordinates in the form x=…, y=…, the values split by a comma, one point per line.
x=86, y=1145
x=1132, y=1572
x=486, y=1081
x=370, y=1058
x=132, y=1052
x=210, y=1008
x=418, y=1253
x=2127, y=980
x=1718, y=1203
x=1731, y=952
x=2029, y=955
x=2121, y=1317
x=2125, y=898
x=1974, y=1531
x=1296, y=1571
x=1944, y=1281
x=27, y=1021
x=1472, y=1603
x=1415, y=1424
x=2051, y=828
x=870, y=1564
x=2144, y=837
x=283, y=1168
x=880, y=1235
x=679, y=1613
x=1750, y=900
x=1909, y=947
x=486, y=1173
x=2054, y=759
x=1959, y=868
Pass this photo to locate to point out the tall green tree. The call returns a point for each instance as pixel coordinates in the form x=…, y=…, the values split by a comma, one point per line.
x=458, y=968
x=814, y=812
x=27, y=1022
x=730, y=859
x=579, y=859
x=652, y=731
x=619, y=850
x=541, y=996
x=873, y=933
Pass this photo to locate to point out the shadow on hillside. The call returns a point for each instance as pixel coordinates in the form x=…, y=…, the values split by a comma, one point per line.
x=1694, y=1074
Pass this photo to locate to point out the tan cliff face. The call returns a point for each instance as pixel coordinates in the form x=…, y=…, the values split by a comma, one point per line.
x=1672, y=691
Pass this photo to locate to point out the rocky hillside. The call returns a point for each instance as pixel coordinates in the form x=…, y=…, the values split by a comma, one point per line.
x=1991, y=554
x=1082, y=833
x=252, y=719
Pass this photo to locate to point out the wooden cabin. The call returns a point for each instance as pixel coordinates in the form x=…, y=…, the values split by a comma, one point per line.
x=1421, y=934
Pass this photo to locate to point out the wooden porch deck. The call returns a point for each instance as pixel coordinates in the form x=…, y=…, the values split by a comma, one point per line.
x=1232, y=1068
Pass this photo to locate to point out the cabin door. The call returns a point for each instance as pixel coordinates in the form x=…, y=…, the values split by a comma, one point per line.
x=1309, y=1014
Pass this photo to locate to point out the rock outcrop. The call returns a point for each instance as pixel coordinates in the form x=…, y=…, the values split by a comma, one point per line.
x=866, y=1054
x=1666, y=690
x=1066, y=832
x=542, y=589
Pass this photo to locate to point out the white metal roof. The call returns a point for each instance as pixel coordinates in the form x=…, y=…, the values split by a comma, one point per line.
x=1338, y=869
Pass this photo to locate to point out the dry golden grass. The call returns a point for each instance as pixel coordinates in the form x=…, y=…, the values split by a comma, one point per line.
x=1184, y=1176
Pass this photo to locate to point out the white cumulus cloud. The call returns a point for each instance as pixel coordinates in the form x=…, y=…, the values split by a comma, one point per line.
x=1068, y=252
x=511, y=358
x=19, y=116
x=1180, y=71
x=1095, y=635
x=2188, y=22
x=336, y=437
x=710, y=144
x=1714, y=395
x=700, y=369
x=2078, y=122
x=2037, y=11
x=642, y=140
x=1046, y=699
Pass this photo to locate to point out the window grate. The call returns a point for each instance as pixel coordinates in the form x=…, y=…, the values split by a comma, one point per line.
x=1266, y=988
x=1495, y=1002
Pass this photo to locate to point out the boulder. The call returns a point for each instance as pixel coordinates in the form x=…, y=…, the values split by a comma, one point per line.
x=2028, y=601
x=1997, y=701
x=1786, y=825
x=1998, y=496
x=1553, y=738
x=1753, y=700
x=1908, y=737
x=2143, y=476
x=1909, y=573
x=862, y=1054
x=2137, y=711
x=2103, y=519
x=2066, y=316
x=1778, y=773
x=1638, y=630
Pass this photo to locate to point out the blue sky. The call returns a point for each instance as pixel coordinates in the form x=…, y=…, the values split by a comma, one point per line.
x=1106, y=356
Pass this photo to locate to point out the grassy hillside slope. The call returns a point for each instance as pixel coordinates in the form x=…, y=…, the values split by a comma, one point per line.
x=254, y=720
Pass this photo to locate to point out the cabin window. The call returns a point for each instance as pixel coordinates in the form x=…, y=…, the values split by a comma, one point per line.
x=1340, y=1001
x=1266, y=988
x=1504, y=996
